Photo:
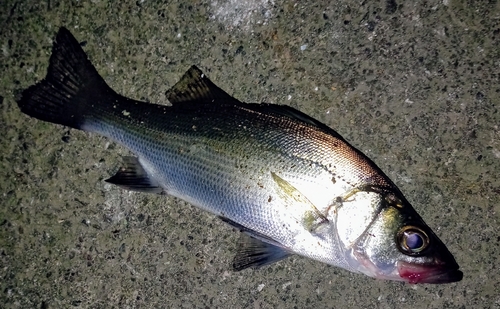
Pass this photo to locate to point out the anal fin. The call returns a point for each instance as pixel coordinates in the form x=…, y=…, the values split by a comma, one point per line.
x=132, y=176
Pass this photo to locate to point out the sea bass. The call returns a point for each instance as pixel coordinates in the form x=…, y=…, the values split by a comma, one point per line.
x=290, y=183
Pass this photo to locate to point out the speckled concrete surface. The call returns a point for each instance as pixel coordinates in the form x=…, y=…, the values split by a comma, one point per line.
x=413, y=84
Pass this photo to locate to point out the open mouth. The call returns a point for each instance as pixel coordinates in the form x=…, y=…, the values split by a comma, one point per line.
x=413, y=273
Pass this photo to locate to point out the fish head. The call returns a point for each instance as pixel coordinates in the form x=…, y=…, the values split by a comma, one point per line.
x=396, y=244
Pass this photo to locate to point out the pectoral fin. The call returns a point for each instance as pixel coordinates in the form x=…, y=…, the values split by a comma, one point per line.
x=132, y=176
x=298, y=205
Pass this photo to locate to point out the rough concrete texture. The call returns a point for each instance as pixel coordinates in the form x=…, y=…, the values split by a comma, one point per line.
x=413, y=84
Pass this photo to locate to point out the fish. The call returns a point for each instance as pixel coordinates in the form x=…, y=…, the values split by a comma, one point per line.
x=289, y=183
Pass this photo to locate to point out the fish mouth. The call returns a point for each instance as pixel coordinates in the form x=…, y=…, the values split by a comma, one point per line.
x=414, y=273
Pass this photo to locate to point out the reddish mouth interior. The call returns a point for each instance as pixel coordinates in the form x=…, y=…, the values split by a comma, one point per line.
x=413, y=273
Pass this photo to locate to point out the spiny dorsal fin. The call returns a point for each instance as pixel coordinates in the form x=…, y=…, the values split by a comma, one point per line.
x=290, y=112
x=195, y=87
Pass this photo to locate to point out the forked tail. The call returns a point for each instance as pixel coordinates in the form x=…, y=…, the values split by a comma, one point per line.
x=69, y=90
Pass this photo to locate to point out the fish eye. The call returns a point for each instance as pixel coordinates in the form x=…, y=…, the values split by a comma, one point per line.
x=412, y=240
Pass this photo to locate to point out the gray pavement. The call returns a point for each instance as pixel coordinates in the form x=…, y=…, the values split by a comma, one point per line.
x=412, y=84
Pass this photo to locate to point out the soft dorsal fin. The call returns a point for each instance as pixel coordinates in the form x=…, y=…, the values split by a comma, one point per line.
x=195, y=87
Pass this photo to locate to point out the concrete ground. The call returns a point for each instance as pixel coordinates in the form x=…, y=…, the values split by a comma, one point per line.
x=413, y=84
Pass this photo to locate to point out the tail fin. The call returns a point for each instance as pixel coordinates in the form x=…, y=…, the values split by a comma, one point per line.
x=70, y=87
